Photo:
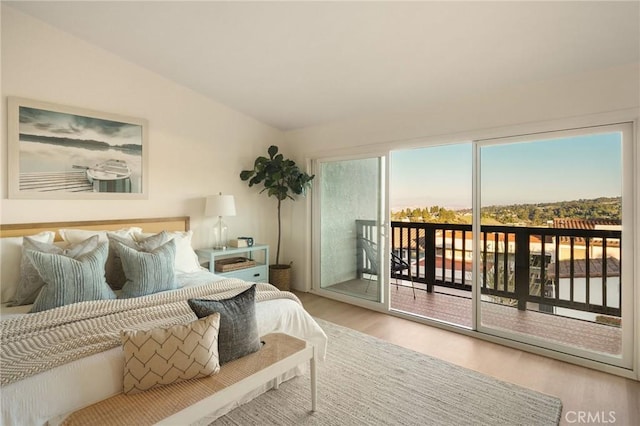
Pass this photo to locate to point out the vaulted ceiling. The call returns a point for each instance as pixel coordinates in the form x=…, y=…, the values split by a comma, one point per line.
x=299, y=64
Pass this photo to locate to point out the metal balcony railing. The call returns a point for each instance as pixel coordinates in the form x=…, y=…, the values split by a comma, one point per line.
x=552, y=267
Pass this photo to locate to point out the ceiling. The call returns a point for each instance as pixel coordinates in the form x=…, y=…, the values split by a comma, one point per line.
x=298, y=64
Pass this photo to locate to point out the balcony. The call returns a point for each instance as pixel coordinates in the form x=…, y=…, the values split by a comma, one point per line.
x=562, y=285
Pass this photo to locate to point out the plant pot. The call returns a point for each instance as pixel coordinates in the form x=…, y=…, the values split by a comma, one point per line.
x=280, y=276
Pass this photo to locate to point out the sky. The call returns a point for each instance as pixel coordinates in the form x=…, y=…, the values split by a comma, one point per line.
x=42, y=122
x=582, y=167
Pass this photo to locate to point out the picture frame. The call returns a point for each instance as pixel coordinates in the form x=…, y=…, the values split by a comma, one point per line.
x=63, y=152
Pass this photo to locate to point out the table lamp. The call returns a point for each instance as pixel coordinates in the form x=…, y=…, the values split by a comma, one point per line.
x=220, y=205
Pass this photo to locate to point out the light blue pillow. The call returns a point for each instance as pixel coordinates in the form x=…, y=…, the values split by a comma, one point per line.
x=114, y=272
x=30, y=280
x=148, y=272
x=68, y=280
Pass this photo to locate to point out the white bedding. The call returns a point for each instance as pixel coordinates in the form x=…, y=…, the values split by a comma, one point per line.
x=50, y=395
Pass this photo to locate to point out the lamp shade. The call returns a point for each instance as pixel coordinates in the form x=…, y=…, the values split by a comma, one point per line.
x=220, y=205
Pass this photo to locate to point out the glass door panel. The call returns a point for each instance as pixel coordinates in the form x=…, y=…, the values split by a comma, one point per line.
x=431, y=199
x=551, y=241
x=350, y=227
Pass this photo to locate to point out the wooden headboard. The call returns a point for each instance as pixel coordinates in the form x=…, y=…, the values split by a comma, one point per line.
x=148, y=225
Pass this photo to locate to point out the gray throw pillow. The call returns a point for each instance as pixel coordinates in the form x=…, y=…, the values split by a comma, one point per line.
x=30, y=280
x=114, y=272
x=148, y=272
x=69, y=280
x=238, y=335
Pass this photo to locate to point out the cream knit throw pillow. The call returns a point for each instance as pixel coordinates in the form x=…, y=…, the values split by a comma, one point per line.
x=166, y=355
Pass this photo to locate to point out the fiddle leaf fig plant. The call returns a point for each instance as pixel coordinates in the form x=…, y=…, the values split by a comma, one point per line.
x=281, y=178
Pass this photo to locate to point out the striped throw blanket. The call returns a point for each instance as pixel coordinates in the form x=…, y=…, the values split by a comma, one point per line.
x=37, y=342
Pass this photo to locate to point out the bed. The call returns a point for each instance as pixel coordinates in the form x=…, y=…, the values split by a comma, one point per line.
x=46, y=395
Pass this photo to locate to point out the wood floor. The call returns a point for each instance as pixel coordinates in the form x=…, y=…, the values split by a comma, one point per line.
x=584, y=392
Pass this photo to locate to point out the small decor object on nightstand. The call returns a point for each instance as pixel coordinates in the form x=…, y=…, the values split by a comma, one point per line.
x=241, y=242
x=220, y=205
x=249, y=240
x=238, y=243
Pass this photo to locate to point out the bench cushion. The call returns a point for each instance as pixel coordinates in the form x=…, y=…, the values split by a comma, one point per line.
x=154, y=405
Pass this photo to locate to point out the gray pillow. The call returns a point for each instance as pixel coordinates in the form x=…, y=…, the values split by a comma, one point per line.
x=30, y=280
x=114, y=272
x=148, y=272
x=69, y=280
x=238, y=335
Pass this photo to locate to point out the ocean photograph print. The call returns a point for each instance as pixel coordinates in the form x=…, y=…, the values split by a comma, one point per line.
x=62, y=152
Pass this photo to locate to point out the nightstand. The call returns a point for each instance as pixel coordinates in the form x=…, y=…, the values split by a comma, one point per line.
x=258, y=252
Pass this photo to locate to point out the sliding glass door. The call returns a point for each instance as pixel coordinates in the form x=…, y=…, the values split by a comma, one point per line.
x=528, y=238
x=349, y=204
x=555, y=214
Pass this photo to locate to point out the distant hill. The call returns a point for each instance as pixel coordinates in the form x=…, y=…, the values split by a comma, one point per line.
x=523, y=214
x=79, y=143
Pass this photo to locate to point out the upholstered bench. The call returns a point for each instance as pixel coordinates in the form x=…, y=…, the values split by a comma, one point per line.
x=188, y=401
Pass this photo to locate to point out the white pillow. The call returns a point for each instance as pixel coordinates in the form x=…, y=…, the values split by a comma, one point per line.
x=186, y=258
x=74, y=236
x=10, y=258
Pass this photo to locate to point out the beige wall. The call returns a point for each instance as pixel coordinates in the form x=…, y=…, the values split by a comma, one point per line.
x=590, y=93
x=196, y=146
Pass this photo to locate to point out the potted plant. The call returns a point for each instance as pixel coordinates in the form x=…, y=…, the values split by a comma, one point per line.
x=281, y=179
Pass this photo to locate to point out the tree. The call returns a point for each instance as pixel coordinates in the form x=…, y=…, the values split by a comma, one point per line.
x=281, y=178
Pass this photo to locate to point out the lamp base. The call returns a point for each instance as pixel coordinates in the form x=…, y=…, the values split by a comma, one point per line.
x=220, y=233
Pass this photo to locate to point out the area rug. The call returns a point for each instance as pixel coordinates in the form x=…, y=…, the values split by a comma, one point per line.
x=367, y=381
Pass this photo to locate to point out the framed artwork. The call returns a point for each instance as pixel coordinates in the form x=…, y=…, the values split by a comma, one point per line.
x=62, y=152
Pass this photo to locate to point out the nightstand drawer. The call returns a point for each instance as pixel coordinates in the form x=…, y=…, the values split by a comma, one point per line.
x=257, y=274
